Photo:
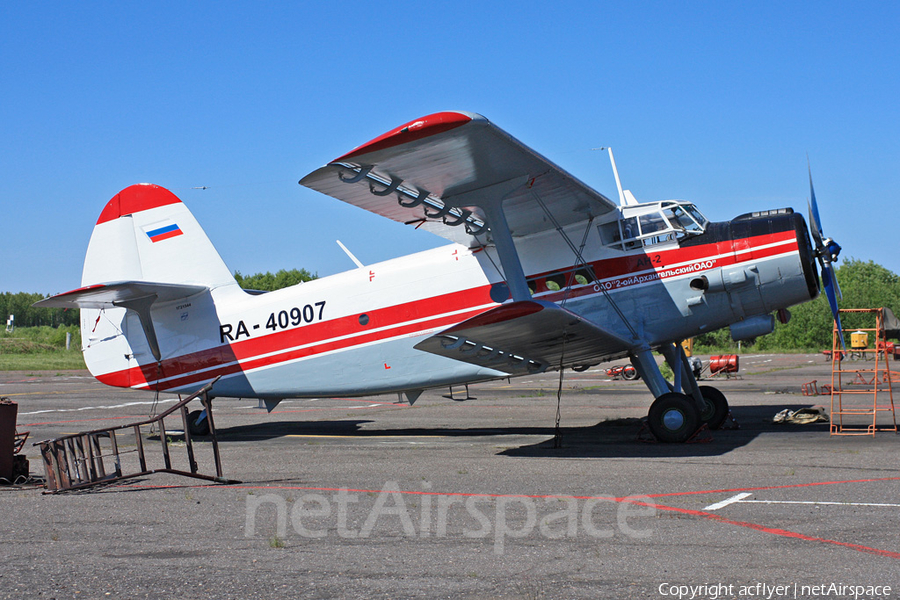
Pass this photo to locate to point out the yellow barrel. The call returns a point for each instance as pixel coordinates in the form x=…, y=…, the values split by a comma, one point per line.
x=859, y=340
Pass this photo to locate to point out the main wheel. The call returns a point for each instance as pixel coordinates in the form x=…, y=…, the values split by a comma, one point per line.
x=716, y=407
x=198, y=428
x=673, y=418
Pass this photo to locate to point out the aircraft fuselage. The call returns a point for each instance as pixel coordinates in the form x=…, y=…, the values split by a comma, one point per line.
x=354, y=333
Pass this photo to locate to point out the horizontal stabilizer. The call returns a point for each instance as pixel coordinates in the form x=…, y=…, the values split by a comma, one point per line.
x=526, y=337
x=139, y=296
x=121, y=293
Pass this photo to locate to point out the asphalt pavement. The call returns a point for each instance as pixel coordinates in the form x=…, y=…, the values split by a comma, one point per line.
x=477, y=494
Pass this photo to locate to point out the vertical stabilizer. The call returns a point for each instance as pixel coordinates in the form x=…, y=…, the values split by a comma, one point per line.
x=148, y=286
x=145, y=233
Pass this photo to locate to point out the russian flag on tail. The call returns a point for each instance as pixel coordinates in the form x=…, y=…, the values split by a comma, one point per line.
x=163, y=233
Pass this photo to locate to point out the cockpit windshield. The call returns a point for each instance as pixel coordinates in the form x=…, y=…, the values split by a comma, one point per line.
x=680, y=219
x=653, y=223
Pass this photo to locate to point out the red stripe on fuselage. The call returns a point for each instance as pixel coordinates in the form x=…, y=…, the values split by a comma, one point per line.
x=428, y=313
x=315, y=338
x=619, y=273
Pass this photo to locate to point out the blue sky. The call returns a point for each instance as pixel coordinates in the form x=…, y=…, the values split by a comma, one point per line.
x=715, y=102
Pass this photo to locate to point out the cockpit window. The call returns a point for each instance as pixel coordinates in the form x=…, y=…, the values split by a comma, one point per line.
x=681, y=220
x=652, y=223
x=698, y=216
x=630, y=228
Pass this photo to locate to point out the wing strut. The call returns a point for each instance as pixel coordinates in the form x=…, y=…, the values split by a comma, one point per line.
x=581, y=261
x=141, y=306
x=490, y=200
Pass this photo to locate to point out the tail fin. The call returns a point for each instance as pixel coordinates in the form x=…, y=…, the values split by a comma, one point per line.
x=145, y=233
x=149, y=267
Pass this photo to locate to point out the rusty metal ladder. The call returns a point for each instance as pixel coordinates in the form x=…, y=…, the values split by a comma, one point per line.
x=102, y=456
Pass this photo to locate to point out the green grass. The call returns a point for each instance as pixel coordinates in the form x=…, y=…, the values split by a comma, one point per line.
x=59, y=360
x=40, y=349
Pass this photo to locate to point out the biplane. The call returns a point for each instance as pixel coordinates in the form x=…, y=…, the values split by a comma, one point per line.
x=542, y=273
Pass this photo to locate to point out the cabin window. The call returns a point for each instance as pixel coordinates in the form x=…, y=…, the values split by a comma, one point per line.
x=583, y=277
x=556, y=282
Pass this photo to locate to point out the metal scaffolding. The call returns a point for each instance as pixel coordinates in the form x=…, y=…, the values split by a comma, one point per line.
x=861, y=389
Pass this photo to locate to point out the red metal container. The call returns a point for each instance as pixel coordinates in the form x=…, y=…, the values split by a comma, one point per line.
x=727, y=363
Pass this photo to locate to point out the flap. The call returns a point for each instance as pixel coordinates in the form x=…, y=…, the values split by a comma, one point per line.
x=526, y=337
x=434, y=172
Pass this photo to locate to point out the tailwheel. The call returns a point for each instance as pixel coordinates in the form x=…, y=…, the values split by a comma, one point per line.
x=715, y=409
x=673, y=418
x=196, y=425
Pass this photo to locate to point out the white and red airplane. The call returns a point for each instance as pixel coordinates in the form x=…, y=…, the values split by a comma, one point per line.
x=543, y=273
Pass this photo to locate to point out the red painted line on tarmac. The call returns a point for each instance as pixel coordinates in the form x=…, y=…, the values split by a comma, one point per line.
x=771, y=530
x=628, y=499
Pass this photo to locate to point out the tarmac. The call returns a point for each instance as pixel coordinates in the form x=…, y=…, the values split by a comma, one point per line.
x=466, y=496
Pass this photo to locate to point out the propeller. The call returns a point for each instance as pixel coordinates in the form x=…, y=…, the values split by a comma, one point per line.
x=827, y=251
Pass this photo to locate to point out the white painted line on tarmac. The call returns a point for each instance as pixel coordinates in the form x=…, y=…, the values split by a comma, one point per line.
x=732, y=500
x=817, y=502
x=740, y=498
x=126, y=405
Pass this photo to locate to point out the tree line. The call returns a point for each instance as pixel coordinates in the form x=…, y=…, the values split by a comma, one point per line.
x=19, y=304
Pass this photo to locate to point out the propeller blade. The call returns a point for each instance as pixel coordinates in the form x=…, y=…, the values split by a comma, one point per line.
x=827, y=251
x=834, y=280
x=829, y=281
x=815, y=223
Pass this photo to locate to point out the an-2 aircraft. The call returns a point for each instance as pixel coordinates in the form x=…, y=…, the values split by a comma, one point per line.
x=543, y=273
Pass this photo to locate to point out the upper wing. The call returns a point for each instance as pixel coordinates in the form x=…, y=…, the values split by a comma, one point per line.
x=526, y=337
x=433, y=172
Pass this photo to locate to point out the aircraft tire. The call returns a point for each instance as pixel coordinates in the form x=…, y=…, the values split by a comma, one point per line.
x=716, y=410
x=196, y=428
x=630, y=373
x=673, y=418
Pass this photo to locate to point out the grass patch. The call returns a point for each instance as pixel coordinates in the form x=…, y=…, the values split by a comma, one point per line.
x=57, y=360
x=40, y=349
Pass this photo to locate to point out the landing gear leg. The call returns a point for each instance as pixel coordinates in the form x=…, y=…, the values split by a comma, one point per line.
x=674, y=417
x=712, y=404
